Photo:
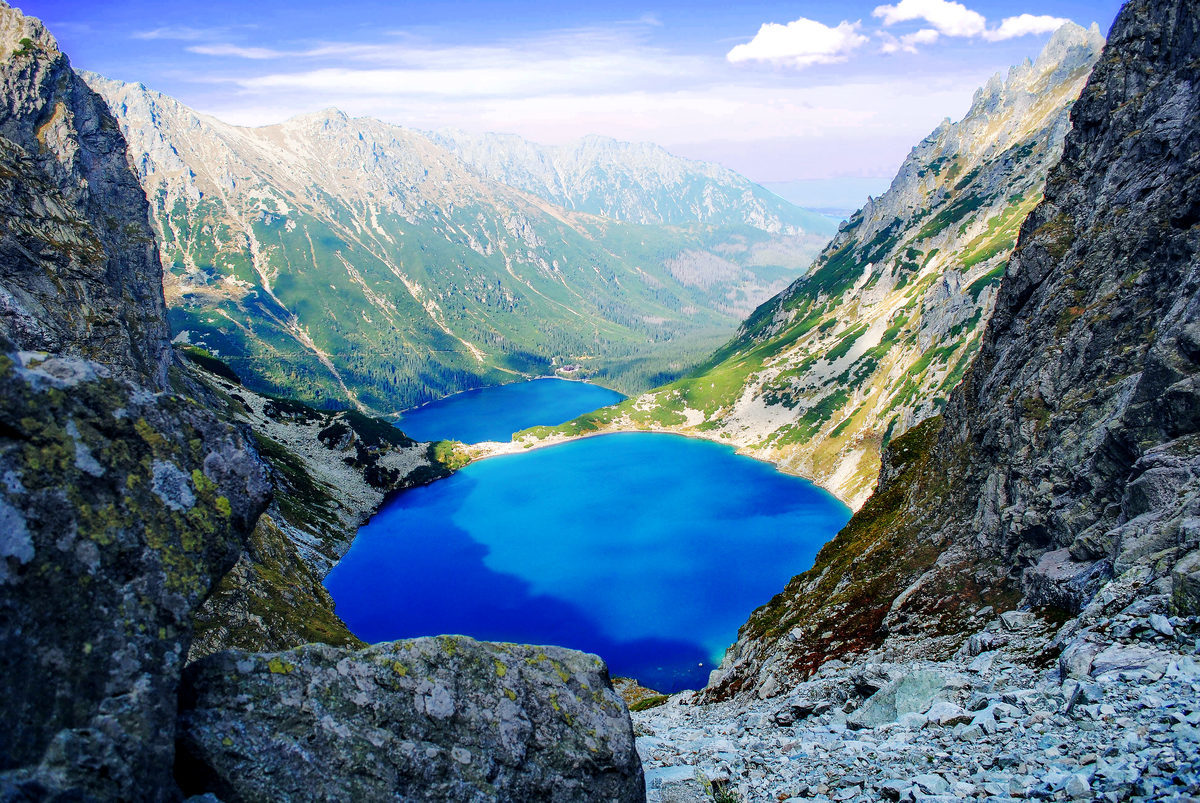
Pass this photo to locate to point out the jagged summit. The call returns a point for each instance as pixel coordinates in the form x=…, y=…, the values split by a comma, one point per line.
x=16, y=26
x=1070, y=48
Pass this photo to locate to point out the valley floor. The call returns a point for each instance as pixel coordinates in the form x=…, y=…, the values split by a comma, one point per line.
x=989, y=724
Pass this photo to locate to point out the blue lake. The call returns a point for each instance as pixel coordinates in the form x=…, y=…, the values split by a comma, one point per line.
x=494, y=414
x=647, y=549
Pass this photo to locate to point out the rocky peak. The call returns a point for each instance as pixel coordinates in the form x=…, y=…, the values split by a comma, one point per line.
x=79, y=271
x=1071, y=47
x=15, y=27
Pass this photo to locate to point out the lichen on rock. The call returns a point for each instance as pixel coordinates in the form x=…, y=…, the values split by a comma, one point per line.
x=102, y=570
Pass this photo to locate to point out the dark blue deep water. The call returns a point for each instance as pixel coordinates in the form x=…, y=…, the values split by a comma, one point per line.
x=647, y=549
x=494, y=414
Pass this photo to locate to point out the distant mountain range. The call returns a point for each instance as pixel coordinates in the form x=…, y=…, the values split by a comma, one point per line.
x=632, y=182
x=874, y=337
x=348, y=260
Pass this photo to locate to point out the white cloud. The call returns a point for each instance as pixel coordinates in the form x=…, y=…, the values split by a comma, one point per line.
x=907, y=43
x=800, y=43
x=949, y=18
x=1023, y=25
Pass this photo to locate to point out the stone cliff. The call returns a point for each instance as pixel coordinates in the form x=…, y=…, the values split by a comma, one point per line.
x=79, y=268
x=122, y=506
x=1063, y=475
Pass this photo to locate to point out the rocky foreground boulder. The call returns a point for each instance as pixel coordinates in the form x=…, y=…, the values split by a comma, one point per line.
x=445, y=718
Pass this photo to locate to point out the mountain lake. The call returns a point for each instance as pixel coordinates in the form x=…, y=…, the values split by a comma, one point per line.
x=647, y=549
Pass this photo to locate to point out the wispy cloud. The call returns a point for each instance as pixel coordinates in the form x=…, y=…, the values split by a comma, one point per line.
x=238, y=51
x=581, y=61
x=800, y=43
x=181, y=33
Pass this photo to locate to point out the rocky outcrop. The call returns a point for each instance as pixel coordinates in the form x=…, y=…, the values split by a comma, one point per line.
x=79, y=269
x=445, y=718
x=331, y=471
x=121, y=509
x=1070, y=454
x=873, y=339
x=121, y=505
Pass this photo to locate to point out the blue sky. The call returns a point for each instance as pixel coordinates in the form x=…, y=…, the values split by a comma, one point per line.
x=778, y=91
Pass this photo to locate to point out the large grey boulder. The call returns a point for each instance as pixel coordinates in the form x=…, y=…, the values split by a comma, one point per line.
x=440, y=718
x=119, y=511
x=912, y=693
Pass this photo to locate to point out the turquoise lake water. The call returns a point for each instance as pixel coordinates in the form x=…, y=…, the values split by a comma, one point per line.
x=647, y=549
x=494, y=414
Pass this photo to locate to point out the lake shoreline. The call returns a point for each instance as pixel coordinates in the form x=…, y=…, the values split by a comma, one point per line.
x=505, y=448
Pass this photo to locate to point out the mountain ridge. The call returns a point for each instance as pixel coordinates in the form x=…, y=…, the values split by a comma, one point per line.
x=1068, y=453
x=345, y=259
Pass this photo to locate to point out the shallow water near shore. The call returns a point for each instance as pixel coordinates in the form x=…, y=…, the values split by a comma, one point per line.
x=647, y=549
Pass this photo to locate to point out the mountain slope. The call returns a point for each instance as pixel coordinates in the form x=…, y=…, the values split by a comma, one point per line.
x=879, y=331
x=1064, y=475
x=634, y=182
x=339, y=259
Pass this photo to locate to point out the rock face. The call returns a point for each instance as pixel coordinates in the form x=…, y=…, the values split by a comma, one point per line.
x=79, y=269
x=1077, y=427
x=876, y=335
x=121, y=509
x=347, y=261
x=445, y=718
x=129, y=484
